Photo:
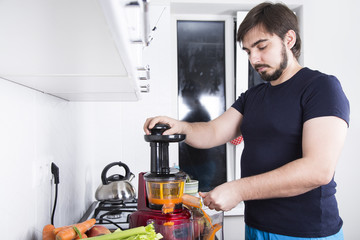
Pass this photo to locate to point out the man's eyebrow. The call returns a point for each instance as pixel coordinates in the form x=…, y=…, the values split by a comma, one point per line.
x=256, y=43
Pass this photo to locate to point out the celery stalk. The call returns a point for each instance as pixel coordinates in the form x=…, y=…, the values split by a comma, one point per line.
x=77, y=232
x=138, y=233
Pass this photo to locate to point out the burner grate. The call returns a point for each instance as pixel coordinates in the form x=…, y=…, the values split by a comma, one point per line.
x=115, y=213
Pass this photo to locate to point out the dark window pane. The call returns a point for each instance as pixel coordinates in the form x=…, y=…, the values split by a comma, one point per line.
x=201, y=85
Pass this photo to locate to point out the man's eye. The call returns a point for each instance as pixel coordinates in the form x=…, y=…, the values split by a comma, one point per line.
x=262, y=47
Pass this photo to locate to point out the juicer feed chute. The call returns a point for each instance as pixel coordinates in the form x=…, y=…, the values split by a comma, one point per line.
x=159, y=145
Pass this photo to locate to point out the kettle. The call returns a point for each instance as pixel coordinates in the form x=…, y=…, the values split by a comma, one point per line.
x=116, y=187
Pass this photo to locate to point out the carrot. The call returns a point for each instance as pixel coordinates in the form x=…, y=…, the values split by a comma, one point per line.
x=195, y=202
x=207, y=217
x=47, y=233
x=70, y=233
x=211, y=235
x=82, y=236
x=169, y=223
x=86, y=225
x=66, y=234
x=57, y=230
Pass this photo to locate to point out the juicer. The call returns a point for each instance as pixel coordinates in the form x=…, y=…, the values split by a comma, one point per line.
x=160, y=191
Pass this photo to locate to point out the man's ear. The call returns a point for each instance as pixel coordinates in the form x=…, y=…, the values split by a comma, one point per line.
x=290, y=39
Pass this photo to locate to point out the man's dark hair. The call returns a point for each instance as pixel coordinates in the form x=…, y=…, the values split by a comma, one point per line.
x=276, y=19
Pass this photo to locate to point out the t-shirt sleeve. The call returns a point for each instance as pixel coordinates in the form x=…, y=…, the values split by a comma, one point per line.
x=325, y=97
x=240, y=103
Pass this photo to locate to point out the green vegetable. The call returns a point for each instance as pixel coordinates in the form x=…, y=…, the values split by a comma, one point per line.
x=188, y=179
x=77, y=231
x=139, y=233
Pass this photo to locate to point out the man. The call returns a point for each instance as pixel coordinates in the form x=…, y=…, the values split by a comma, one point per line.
x=294, y=128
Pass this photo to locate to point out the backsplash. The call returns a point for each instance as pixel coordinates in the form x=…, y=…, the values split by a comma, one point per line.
x=37, y=129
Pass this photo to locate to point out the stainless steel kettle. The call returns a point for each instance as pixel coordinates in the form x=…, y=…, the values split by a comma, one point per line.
x=116, y=187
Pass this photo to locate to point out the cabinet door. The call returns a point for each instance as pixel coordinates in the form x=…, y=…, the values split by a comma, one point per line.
x=67, y=48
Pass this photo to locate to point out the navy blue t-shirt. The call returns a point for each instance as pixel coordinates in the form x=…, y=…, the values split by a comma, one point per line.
x=272, y=131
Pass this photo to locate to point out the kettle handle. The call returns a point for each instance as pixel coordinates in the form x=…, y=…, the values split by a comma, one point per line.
x=116, y=177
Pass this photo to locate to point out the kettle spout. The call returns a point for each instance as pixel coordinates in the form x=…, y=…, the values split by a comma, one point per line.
x=131, y=177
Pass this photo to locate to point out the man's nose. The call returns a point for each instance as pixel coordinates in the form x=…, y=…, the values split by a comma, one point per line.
x=254, y=57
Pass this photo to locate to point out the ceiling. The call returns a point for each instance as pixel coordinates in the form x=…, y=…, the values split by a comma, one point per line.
x=216, y=7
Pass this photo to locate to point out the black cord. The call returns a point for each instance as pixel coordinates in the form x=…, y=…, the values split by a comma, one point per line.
x=55, y=172
x=104, y=219
x=55, y=201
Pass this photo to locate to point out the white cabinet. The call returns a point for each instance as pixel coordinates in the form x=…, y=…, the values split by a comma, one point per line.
x=69, y=48
x=234, y=228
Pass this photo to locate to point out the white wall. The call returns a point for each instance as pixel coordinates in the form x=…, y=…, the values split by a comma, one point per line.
x=36, y=130
x=331, y=28
x=81, y=138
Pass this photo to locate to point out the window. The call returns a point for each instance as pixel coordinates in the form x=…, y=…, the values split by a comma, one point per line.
x=201, y=92
x=217, y=94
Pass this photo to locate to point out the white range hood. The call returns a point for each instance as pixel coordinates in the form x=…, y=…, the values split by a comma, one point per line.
x=78, y=50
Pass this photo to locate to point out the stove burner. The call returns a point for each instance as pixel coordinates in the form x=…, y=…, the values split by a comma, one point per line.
x=113, y=214
x=116, y=213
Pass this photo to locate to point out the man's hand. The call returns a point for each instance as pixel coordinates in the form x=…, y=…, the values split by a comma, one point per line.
x=222, y=198
x=176, y=126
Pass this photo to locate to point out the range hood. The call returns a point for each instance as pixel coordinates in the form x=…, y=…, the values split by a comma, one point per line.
x=78, y=50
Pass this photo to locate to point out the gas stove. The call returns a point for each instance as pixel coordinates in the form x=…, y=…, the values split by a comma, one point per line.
x=111, y=214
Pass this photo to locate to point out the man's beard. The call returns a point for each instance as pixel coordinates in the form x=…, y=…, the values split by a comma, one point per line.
x=274, y=76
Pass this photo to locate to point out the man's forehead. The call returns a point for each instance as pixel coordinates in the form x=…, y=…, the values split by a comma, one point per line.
x=255, y=35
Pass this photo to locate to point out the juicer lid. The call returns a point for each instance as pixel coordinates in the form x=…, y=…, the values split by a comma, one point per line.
x=165, y=138
x=173, y=175
x=158, y=130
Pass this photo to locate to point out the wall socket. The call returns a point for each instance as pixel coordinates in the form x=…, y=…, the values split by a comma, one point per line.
x=40, y=173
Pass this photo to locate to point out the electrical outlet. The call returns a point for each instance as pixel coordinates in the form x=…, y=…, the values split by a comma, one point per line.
x=45, y=174
x=40, y=174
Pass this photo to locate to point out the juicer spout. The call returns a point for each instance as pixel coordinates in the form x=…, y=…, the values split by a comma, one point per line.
x=168, y=208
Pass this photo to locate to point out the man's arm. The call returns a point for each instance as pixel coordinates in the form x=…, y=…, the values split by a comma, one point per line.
x=323, y=139
x=202, y=134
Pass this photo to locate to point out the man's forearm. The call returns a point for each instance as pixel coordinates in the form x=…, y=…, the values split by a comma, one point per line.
x=292, y=179
x=199, y=135
x=214, y=133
